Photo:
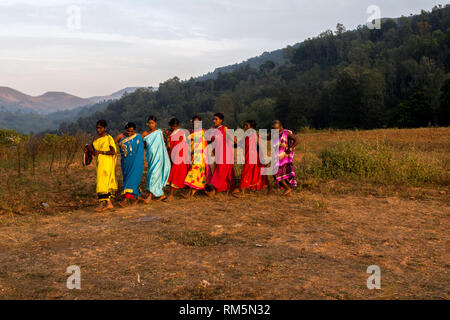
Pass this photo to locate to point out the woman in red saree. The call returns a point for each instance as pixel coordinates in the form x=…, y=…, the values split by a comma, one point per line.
x=223, y=175
x=178, y=151
x=251, y=177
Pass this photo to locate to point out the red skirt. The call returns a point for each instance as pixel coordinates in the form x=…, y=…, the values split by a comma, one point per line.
x=178, y=174
x=252, y=179
x=223, y=177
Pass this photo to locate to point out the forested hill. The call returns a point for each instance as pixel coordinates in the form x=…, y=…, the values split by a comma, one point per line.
x=278, y=57
x=396, y=76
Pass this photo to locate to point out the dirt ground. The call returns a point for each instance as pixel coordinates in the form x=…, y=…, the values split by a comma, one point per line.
x=316, y=244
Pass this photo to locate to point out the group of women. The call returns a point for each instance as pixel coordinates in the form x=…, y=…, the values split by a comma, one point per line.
x=172, y=162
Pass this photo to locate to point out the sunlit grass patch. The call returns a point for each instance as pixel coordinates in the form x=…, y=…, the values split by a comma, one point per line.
x=376, y=162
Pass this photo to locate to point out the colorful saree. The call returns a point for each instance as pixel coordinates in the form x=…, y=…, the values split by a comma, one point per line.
x=178, y=154
x=196, y=177
x=106, y=168
x=285, y=161
x=251, y=177
x=223, y=176
x=158, y=163
x=132, y=162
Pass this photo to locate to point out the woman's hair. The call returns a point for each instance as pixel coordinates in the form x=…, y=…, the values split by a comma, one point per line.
x=153, y=118
x=196, y=117
x=174, y=122
x=251, y=123
x=219, y=115
x=102, y=123
x=277, y=123
x=130, y=125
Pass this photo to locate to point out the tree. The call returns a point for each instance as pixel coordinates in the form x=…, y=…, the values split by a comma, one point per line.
x=262, y=111
x=340, y=29
x=443, y=113
x=347, y=107
x=415, y=112
x=225, y=105
x=267, y=66
x=282, y=110
x=373, y=113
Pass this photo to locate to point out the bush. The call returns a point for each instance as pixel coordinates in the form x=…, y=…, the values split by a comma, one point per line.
x=375, y=162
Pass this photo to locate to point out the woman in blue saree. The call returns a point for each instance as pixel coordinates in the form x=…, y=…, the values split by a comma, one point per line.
x=131, y=148
x=157, y=159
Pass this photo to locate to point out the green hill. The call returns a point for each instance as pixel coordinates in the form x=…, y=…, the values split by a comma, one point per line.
x=278, y=57
x=395, y=76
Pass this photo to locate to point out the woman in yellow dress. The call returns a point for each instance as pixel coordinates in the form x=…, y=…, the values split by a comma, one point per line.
x=106, y=151
x=196, y=177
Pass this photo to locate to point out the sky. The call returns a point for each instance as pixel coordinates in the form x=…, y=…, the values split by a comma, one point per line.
x=96, y=47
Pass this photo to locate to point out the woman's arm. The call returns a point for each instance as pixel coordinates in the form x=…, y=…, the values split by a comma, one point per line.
x=296, y=142
x=111, y=152
x=144, y=134
x=119, y=137
x=229, y=136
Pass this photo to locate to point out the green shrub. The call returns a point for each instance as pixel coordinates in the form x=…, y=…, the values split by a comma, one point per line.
x=374, y=162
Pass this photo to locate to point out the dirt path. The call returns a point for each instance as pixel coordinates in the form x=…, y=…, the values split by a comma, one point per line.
x=262, y=247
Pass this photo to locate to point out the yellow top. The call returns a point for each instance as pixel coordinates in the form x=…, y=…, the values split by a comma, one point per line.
x=106, y=166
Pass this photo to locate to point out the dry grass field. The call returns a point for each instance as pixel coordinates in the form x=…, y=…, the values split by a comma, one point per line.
x=317, y=244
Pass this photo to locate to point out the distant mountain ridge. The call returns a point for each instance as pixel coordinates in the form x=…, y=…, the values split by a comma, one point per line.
x=114, y=96
x=12, y=100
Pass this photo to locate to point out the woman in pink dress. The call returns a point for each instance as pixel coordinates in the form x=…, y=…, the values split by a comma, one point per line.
x=286, y=143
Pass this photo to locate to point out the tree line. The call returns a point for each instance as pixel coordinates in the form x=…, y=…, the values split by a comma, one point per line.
x=396, y=76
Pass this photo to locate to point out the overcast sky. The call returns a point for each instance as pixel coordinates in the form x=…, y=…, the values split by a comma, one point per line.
x=120, y=43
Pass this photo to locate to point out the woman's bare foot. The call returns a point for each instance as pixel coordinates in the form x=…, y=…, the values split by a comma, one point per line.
x=147, y=200
x=236, y=193
x=161, y=198
x=287, y=192
x=167, y=199
x=211, y=193
x=186, y=195
x=123, y=203
x=109, y=205
x=101, y=207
